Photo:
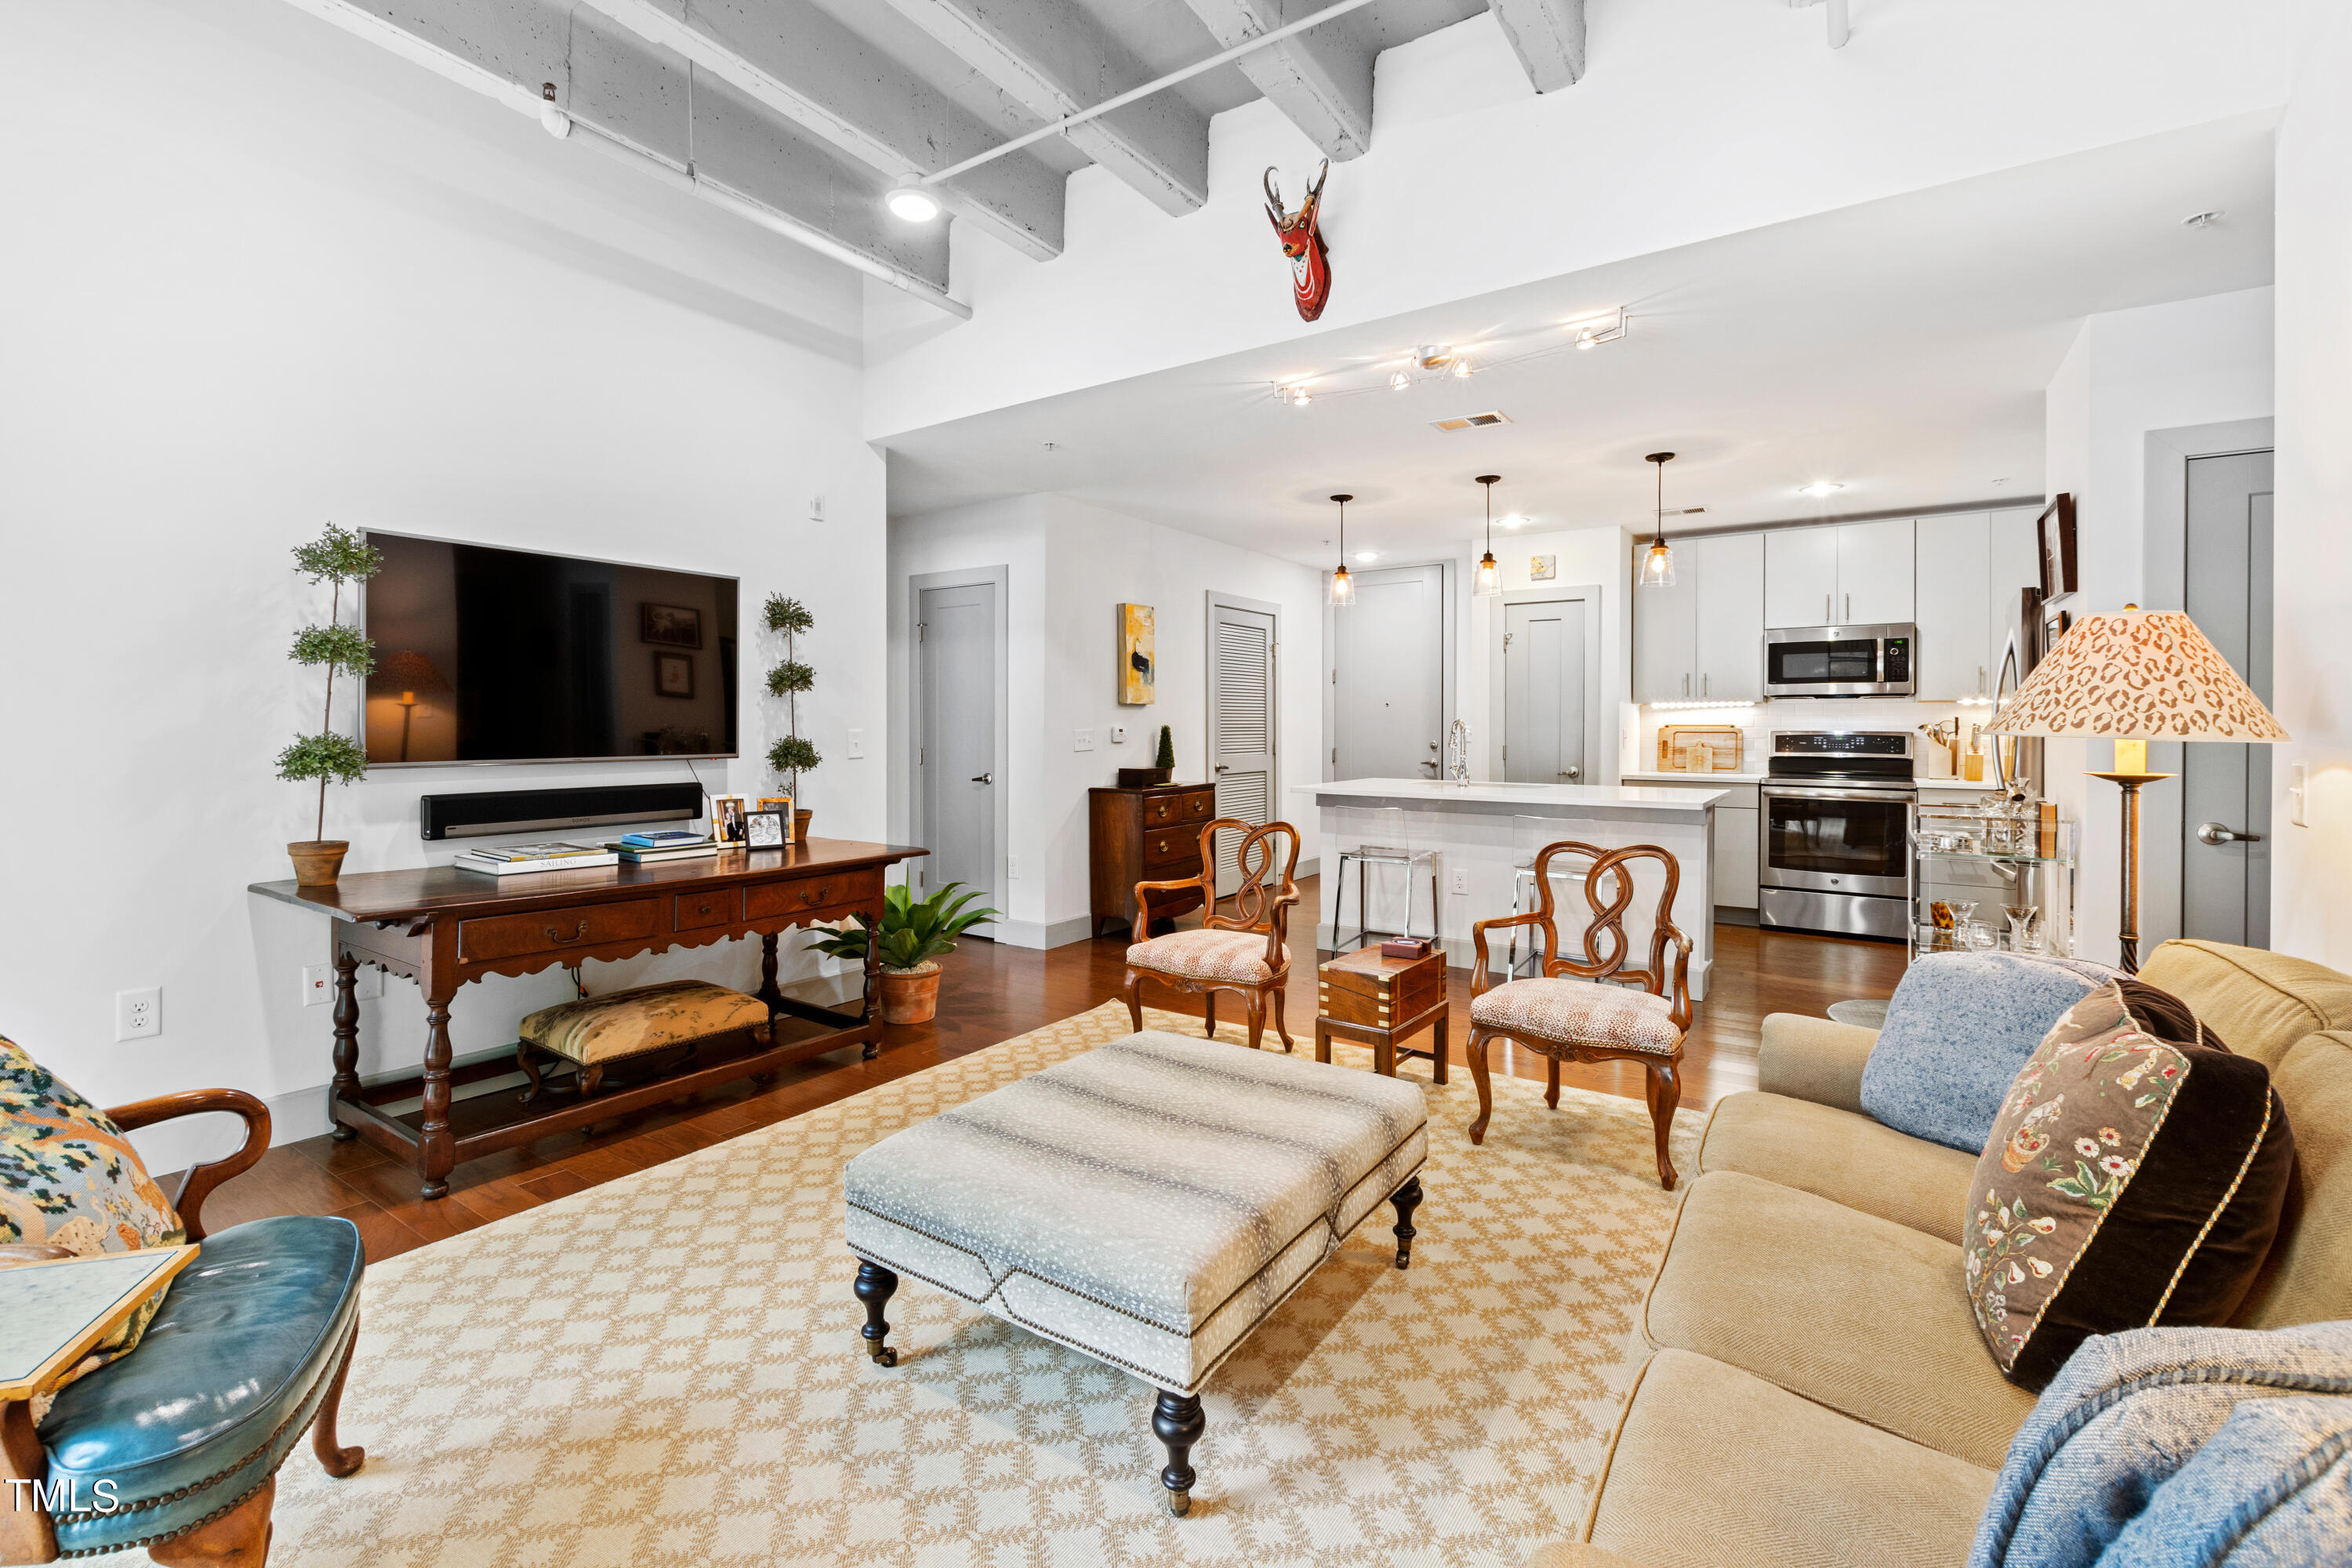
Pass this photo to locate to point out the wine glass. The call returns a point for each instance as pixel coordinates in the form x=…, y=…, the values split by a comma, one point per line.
x=2024, y=920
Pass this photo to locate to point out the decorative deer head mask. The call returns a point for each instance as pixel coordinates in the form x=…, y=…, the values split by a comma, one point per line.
x=1302, y=241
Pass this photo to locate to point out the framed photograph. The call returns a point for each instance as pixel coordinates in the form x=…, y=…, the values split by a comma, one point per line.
x=673, y=674
x=1542, y=568
x=726, y=818
x=2055, y=623
x=1139, y=655
x=782, y=803
x=2053, y=532
x=673, y=625
x=767, y=829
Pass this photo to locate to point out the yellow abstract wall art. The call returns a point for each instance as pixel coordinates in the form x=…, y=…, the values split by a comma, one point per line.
x=1139, y=656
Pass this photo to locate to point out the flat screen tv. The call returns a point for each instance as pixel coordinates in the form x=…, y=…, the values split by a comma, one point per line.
x=508, y=656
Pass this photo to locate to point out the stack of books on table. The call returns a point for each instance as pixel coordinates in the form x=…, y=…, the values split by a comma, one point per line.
x=508, y=860
x=649, y=848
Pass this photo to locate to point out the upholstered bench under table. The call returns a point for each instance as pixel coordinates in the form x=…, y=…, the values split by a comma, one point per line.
x=595, y=1031
x=1148, y=1203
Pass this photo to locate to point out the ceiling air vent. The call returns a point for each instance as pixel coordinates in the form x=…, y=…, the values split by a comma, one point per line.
x=1472, y=421
x=1684, y=511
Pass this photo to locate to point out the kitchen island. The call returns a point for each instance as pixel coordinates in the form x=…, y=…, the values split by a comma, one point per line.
x=1474, y=832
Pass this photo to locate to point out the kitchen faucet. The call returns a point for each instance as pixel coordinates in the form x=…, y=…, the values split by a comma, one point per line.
x=1457, y=753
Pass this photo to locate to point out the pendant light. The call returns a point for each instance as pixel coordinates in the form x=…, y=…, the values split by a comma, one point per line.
x=1343, y=586
x=1658, y=561
x=1489, y=583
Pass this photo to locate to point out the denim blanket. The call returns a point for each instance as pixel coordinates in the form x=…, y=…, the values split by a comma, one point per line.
x=2183, y=1448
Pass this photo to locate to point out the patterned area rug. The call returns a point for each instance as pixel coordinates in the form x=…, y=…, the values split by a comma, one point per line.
x=665, y=1370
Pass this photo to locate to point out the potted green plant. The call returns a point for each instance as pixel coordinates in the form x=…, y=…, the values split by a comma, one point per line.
x=337, y=556
x=912, y=937
x=792, y=754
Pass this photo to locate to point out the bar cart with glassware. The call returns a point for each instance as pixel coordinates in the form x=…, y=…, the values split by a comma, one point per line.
x=1999, y=877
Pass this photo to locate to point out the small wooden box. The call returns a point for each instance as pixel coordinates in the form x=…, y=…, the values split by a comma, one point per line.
x=1362, y=988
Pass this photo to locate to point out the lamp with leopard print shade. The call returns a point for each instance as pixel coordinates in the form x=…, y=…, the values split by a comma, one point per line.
x=2137, y=677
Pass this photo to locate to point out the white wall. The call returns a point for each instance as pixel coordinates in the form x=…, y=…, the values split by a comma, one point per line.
x=1069, y=564
x=2195, y=362
x=264, y=276
x=2312, y=867
x=1697, y=118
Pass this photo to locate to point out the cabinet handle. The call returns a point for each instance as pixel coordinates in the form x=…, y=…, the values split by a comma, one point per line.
x=1849, y=609
x=1826, y=611
x=553, y=936
x=702, y=908
x=1981, y=681
x=815, y=895
x=1703, y=683
x=1687, y=683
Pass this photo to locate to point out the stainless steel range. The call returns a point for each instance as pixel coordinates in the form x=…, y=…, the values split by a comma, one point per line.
x=1835, y=851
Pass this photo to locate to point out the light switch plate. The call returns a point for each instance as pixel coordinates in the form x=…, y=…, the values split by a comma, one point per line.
x=1085, y=741
x=1118, y=734
x=1013, y=868
x=370, y=982
x=857, y=744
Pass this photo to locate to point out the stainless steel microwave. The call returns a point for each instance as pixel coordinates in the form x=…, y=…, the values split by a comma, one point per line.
x=1839, y=661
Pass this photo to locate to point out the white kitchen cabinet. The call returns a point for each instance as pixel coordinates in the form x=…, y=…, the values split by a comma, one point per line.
x=1735, y=839
x=1955, y=565
x=2014, y=565
x=1873, y=573
x=1729, y=659
x=1800, y=571
x=1665, y=624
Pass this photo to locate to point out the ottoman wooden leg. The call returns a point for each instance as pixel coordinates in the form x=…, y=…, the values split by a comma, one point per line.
x=1177, y=1421
x=874, y=1285
x=527, y=1059
x=1407, y=1198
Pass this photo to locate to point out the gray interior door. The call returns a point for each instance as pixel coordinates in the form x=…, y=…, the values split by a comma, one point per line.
x=1241, y=726
x=1543, y=692
x=956, y=748
x=1389, y=697
x=2225, y=888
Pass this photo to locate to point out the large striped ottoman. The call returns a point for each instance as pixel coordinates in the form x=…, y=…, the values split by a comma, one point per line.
x=1148, y=1203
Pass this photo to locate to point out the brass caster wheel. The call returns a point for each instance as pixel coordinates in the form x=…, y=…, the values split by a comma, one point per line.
x=1180, y=1503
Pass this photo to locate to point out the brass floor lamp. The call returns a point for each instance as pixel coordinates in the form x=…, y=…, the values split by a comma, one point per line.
x=2138, y=676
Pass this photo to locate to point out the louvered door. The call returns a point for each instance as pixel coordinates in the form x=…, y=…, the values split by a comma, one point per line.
x=1241, y=725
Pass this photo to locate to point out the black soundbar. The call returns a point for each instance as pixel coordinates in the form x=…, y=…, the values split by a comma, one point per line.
x=535, y=810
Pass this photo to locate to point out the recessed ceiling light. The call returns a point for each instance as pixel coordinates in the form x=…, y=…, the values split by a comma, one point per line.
x=2203, y=220
x=1368, y=555
x=911, y=204
x=1514, y=520
x=1819, y=487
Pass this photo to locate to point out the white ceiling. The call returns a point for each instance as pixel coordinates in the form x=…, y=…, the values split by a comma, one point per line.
x=1900, y=347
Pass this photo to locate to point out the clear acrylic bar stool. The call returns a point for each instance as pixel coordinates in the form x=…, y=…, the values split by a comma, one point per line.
x=1379, y=838
x=1528, y=837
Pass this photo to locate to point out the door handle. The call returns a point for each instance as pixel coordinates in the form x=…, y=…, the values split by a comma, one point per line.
x=2214, y=833
x=989, y=777
x=1572, y=773
x=1221, y=767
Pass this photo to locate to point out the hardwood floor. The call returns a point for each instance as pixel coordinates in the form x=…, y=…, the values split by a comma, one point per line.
x=990, y=993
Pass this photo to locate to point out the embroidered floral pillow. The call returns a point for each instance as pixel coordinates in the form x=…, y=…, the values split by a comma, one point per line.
x=2133, y=1177
x=69, y=1178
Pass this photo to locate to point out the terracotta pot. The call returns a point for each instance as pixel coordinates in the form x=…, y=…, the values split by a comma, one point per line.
x=910, y=995
x=800, y=825
x=316, y=860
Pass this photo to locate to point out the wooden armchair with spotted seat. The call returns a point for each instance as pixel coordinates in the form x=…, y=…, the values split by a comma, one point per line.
x=1246, y=951
x=1590, y=1010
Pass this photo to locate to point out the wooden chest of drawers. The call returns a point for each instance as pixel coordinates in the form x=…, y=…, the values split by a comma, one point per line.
x=1150, y=834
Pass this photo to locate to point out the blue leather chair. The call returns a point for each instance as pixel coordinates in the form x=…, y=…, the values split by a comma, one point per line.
x=249, y=1350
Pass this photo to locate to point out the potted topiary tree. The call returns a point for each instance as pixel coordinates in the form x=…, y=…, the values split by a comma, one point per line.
x=1165, y=758
x=337, y=556
x=913, y=935
x=792, y=754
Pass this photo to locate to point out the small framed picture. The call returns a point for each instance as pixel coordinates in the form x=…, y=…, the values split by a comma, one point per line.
x=727, y=813
x=1542, y=568
x=2053, y=532
x=2055, y=623
x=767, y=829
x=675, y=626
x=780, y=802
x=673, y=674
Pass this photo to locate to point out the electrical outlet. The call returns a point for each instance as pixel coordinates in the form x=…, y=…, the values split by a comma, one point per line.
x=1085, y=741
x=1118, y=734
x=857, y=744
x=138, y=1015
x=1013, y=868
x=1458, y=881
x=318, y=984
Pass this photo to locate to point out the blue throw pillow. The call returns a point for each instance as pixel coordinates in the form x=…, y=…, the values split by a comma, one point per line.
x=2177, y=1446
x=1959, y=1027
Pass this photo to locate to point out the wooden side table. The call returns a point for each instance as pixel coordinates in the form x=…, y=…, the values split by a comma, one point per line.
x=1378, y=1002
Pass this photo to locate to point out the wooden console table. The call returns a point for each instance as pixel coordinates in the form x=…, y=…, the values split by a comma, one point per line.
x=441, y=927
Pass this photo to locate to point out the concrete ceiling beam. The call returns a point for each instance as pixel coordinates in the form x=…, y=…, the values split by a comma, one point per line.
x=648, y=102
x=1322, y=78
x=806, y=67
x=1054, y=58
x=1549, y=38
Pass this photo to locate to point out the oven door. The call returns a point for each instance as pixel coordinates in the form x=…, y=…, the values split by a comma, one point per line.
x=1829, y=840
x=1823, y=667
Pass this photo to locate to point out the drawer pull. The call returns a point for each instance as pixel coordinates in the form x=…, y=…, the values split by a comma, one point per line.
x=702, y=908
x=555, y=936
x=815, y=895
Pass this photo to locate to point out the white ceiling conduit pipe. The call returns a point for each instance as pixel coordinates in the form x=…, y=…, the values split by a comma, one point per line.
x=1839, y=29
x=563, y=126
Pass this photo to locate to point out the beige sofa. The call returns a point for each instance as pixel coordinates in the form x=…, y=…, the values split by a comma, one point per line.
x=1819, y=1393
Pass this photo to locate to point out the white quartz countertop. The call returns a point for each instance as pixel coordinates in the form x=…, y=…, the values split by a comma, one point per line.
x=1665, y=777
x=1555, y=799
